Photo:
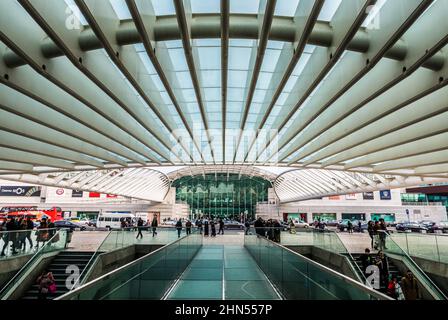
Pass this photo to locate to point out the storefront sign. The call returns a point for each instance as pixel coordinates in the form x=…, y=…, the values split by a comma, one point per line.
x=20, y=191
x=368, y=196
x=77, y=193
x=385, y=195
x=350, y=196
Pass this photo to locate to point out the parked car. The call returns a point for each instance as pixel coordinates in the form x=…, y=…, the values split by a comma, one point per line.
x=69, y=225
x=443, y=226
x=332, y=223
x=285, y=225
x=430, y=225
x=231, y=224
x=411, y=227
x=301, y=224
x=343, y=225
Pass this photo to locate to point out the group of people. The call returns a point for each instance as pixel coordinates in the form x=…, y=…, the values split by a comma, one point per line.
x=20, y=230
x=405, y=288
x=270, y=229
x=207, y=226
x=141, y=225
x=378, y=232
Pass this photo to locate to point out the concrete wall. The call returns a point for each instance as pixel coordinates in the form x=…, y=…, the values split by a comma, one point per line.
x=437, y=271
x=9, y=267
x=110, y=261
x=31, y=278
x=355, y=204
x=332, y=260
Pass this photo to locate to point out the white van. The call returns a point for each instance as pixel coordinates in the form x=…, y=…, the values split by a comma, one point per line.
x=112, y=220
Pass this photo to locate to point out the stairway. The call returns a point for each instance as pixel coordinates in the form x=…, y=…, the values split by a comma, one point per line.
x=58, y=267
x=393, y=270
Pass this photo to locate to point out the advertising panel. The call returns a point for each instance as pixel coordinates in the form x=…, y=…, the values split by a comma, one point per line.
x=94, y=194
x=20, y=191
x=368, y=196
x=385, y=195
x=77, y=193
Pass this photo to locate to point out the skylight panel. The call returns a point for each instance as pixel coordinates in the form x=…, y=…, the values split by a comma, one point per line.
x=248, y=7
x=121, y=9
x=163, y=7
x=328, y=10
x=286, y=8
x=208, y=6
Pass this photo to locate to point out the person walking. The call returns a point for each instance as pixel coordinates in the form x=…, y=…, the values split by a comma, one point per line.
x=349, y=226
x=206, y=227
x=371, y=232
x=199, y=225
x=221, y=226
x=42, y=233
x=179, y=227
x=277, y=229
x=247, y=227
x=409, y=286
x=188, y=227
x=139, y=228
x=383, y=233
x=213, y=227
x=29, y=228
x=154, y=225
x=10, y=236
x=258, y=225
x=292, y=227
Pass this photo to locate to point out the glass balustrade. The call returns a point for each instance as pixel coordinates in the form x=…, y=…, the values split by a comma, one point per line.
x=55, y=241
x=299, y=278
x=146, y=278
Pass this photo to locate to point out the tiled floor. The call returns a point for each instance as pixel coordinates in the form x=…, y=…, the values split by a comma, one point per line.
x=223, y=272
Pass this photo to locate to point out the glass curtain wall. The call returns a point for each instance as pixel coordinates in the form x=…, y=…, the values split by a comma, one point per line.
x=222, y=195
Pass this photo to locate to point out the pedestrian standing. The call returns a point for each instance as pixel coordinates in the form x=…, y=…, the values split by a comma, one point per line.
x=213, y=227
x=221, y=226
x=154, y=225
x=139, y=228
x=179, y=227
x=205, y=227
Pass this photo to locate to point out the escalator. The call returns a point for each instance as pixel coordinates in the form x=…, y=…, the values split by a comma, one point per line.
x=188, y=270
x=221, y=273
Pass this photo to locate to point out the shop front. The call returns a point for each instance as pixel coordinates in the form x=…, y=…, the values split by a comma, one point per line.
x=354, y=216
x=295, y=216
x=324, y=216
x=388, y=217
x=90, y=215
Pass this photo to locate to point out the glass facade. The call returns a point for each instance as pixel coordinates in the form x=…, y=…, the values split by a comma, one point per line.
x=221, y=195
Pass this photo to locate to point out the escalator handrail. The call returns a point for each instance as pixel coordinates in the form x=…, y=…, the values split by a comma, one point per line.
x=341, y=276
x=414, y=264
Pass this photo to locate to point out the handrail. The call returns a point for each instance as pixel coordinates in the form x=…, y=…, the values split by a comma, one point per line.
x=414, y=265
x=105, y=276
x=11, y=282
x=338, y=275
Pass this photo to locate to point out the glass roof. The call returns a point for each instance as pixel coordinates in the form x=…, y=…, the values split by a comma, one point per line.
x=279, y=101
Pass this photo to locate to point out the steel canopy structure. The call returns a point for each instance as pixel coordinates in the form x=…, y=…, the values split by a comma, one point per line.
x=357, y=87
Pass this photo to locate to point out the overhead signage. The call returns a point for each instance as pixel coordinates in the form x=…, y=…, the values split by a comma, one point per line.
x=385, y=195
x=368, y=196
x=77, y=193
x=20, y=191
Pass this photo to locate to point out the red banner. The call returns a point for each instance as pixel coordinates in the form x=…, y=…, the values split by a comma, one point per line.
x=111, y=196
x=94, y=194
